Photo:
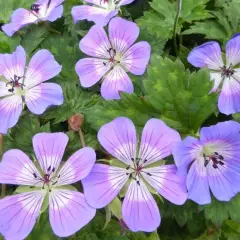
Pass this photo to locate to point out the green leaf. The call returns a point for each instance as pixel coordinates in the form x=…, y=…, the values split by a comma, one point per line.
x=153, y=236
x=116, y=207
x=182, y=97
x=34, y=37
x=163, y=14
x=218, y=211
x=8, y=45
x=65, y=50
x=136, y=108
x=20, y=137
x=225, y=24
x=76, y=100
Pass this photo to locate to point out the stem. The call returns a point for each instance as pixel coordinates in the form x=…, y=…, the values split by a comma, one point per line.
x=54, y=31
x=3, y=192
x=179, y=7
x=81, y=138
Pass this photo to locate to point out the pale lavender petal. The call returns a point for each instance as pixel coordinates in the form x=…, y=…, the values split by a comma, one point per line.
x=55, y=14
x=39, y=98
x=185, y=152
x=49, y=10
x=77, y=167
x=233, y=51
x=91, y=70
x=13, y=64
x=69, y=212
x=229, y=99
x=16, y=168
x=227, y=131
x=136, y=58
x=95, y=43
x=206, y=55
x=97, y=2
x=224, y=181
x=119, y=138
x=103, y=184
x=122, y=34
x=140, y=211
x=49, y=149
x=165, y=180
x=4, y=89
x=125, y=2
x=19, y=19
x=217, y=78
x=157, y=141
x=41, y=68
x=197, y=183
x=99, y=16
x=115, y=82
x=19, y=213
x=10, y=111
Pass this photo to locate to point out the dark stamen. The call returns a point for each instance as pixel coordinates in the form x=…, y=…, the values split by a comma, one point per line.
x=138, y=183
x=49, y=169
x=149, y=174
x=53, y=170
x=127, y=167
x=35, y=175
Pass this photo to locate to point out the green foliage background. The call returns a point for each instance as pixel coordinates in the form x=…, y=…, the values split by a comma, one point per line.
x=170, y=90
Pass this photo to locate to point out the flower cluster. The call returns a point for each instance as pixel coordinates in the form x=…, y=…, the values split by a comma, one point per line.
x=201, y=166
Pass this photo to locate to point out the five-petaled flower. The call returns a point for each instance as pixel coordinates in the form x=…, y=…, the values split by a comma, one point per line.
x=42, y=10
x=100, y=12
x=140, y=211
x=68, y=209
x=112, y=59
x=18, y=87
x=213, y=161
x=209, y=55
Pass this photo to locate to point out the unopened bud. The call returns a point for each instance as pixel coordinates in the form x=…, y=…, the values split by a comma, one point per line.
x=76, y=121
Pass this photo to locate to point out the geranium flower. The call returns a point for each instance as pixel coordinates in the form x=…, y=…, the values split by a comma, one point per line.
x=18, y=87
x=111, y=59
x=100, y=11
x=140, y=211
x=68, y=210
x=42, y=10
x=209, y=55
x=213, y=161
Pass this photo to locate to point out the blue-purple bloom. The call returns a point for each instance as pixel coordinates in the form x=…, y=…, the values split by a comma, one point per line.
x=226, y=73
x=112, y=57
x=41, y=10
x=47, y=185
x=99, y=11
x=19, y=87
x=139, y=211
x=211, y=162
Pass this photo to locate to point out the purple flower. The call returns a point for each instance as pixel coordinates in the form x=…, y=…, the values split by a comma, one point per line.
x=112, y=59
x=209, y=55
x=140, y=211
x=213, y=161
x=18, y=87
x=49, y=178
x=100, y=11
x=42, y=10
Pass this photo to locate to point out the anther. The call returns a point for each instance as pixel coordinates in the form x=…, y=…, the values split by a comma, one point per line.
x=127, y=167
x=149, y=174
x=49, y=169
x=35, y=175
x=138, y=183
